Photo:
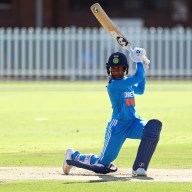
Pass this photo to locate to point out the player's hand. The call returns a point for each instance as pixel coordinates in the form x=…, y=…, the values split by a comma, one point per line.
x=146, y=62
x=139, y=55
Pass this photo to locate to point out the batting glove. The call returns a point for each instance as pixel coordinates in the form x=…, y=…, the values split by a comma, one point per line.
x=139, y=55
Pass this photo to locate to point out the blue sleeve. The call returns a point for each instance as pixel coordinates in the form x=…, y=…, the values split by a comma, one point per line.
x=139, y=88
x=135, y=79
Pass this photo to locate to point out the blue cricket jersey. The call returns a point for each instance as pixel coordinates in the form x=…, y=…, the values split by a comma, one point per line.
x=121, y=93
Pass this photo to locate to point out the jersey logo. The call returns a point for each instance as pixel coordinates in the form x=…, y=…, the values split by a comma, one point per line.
x=130, y=102
x=129, y=98
x=129, y=94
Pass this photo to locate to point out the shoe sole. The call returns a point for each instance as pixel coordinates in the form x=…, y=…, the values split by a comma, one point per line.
x=139, y=175
x=66, y=167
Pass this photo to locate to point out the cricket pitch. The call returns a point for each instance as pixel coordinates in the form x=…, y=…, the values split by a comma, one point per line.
x=55, y=173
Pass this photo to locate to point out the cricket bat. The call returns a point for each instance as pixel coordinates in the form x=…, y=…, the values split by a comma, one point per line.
x=110, y=27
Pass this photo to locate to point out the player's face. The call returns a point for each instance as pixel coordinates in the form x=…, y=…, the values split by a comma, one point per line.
x=117, y=71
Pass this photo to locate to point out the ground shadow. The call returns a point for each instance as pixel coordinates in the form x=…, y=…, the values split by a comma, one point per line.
x=108, y=178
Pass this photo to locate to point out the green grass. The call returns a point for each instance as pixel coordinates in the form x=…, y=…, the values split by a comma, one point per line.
x=74, y=186
x=75, y=115
x=40, y=120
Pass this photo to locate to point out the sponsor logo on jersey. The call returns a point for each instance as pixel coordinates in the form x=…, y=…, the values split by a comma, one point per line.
x=129, y=98
x=129, y=94
x=130, y=102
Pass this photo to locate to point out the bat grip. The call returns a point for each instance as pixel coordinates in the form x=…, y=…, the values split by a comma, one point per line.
x=129, y=49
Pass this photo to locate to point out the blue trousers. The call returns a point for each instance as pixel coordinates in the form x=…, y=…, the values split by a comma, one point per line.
x=116, y=134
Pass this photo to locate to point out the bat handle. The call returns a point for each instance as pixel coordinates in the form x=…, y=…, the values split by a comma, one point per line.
x=130, y=49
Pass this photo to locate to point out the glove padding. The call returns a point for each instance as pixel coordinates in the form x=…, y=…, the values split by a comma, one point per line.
x=139, y=55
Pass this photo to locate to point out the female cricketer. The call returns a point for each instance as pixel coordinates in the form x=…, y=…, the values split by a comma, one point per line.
x=125, y=122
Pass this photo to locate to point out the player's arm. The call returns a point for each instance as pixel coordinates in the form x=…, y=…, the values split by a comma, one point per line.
x=139, y=88
x=135, y=79
x=138, y=55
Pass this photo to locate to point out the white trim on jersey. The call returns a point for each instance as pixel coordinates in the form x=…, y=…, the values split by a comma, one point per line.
x=108, y=136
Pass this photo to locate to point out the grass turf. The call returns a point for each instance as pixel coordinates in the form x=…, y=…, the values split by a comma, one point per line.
x=74, y=186
x=39, y=121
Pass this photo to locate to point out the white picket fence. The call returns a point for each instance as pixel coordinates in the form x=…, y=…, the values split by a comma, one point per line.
x=81, y=53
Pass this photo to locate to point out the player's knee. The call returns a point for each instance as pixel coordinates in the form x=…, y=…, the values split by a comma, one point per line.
x=152, y=130
x=105, y=161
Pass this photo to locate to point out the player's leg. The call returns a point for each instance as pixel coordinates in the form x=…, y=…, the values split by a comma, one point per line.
x=136, y=132
x=85, y=161
x=71, y=156
x=114, y=138
x=149, y=140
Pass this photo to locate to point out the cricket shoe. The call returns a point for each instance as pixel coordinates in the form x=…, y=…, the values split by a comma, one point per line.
x=140, y=172
x=66, y=167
